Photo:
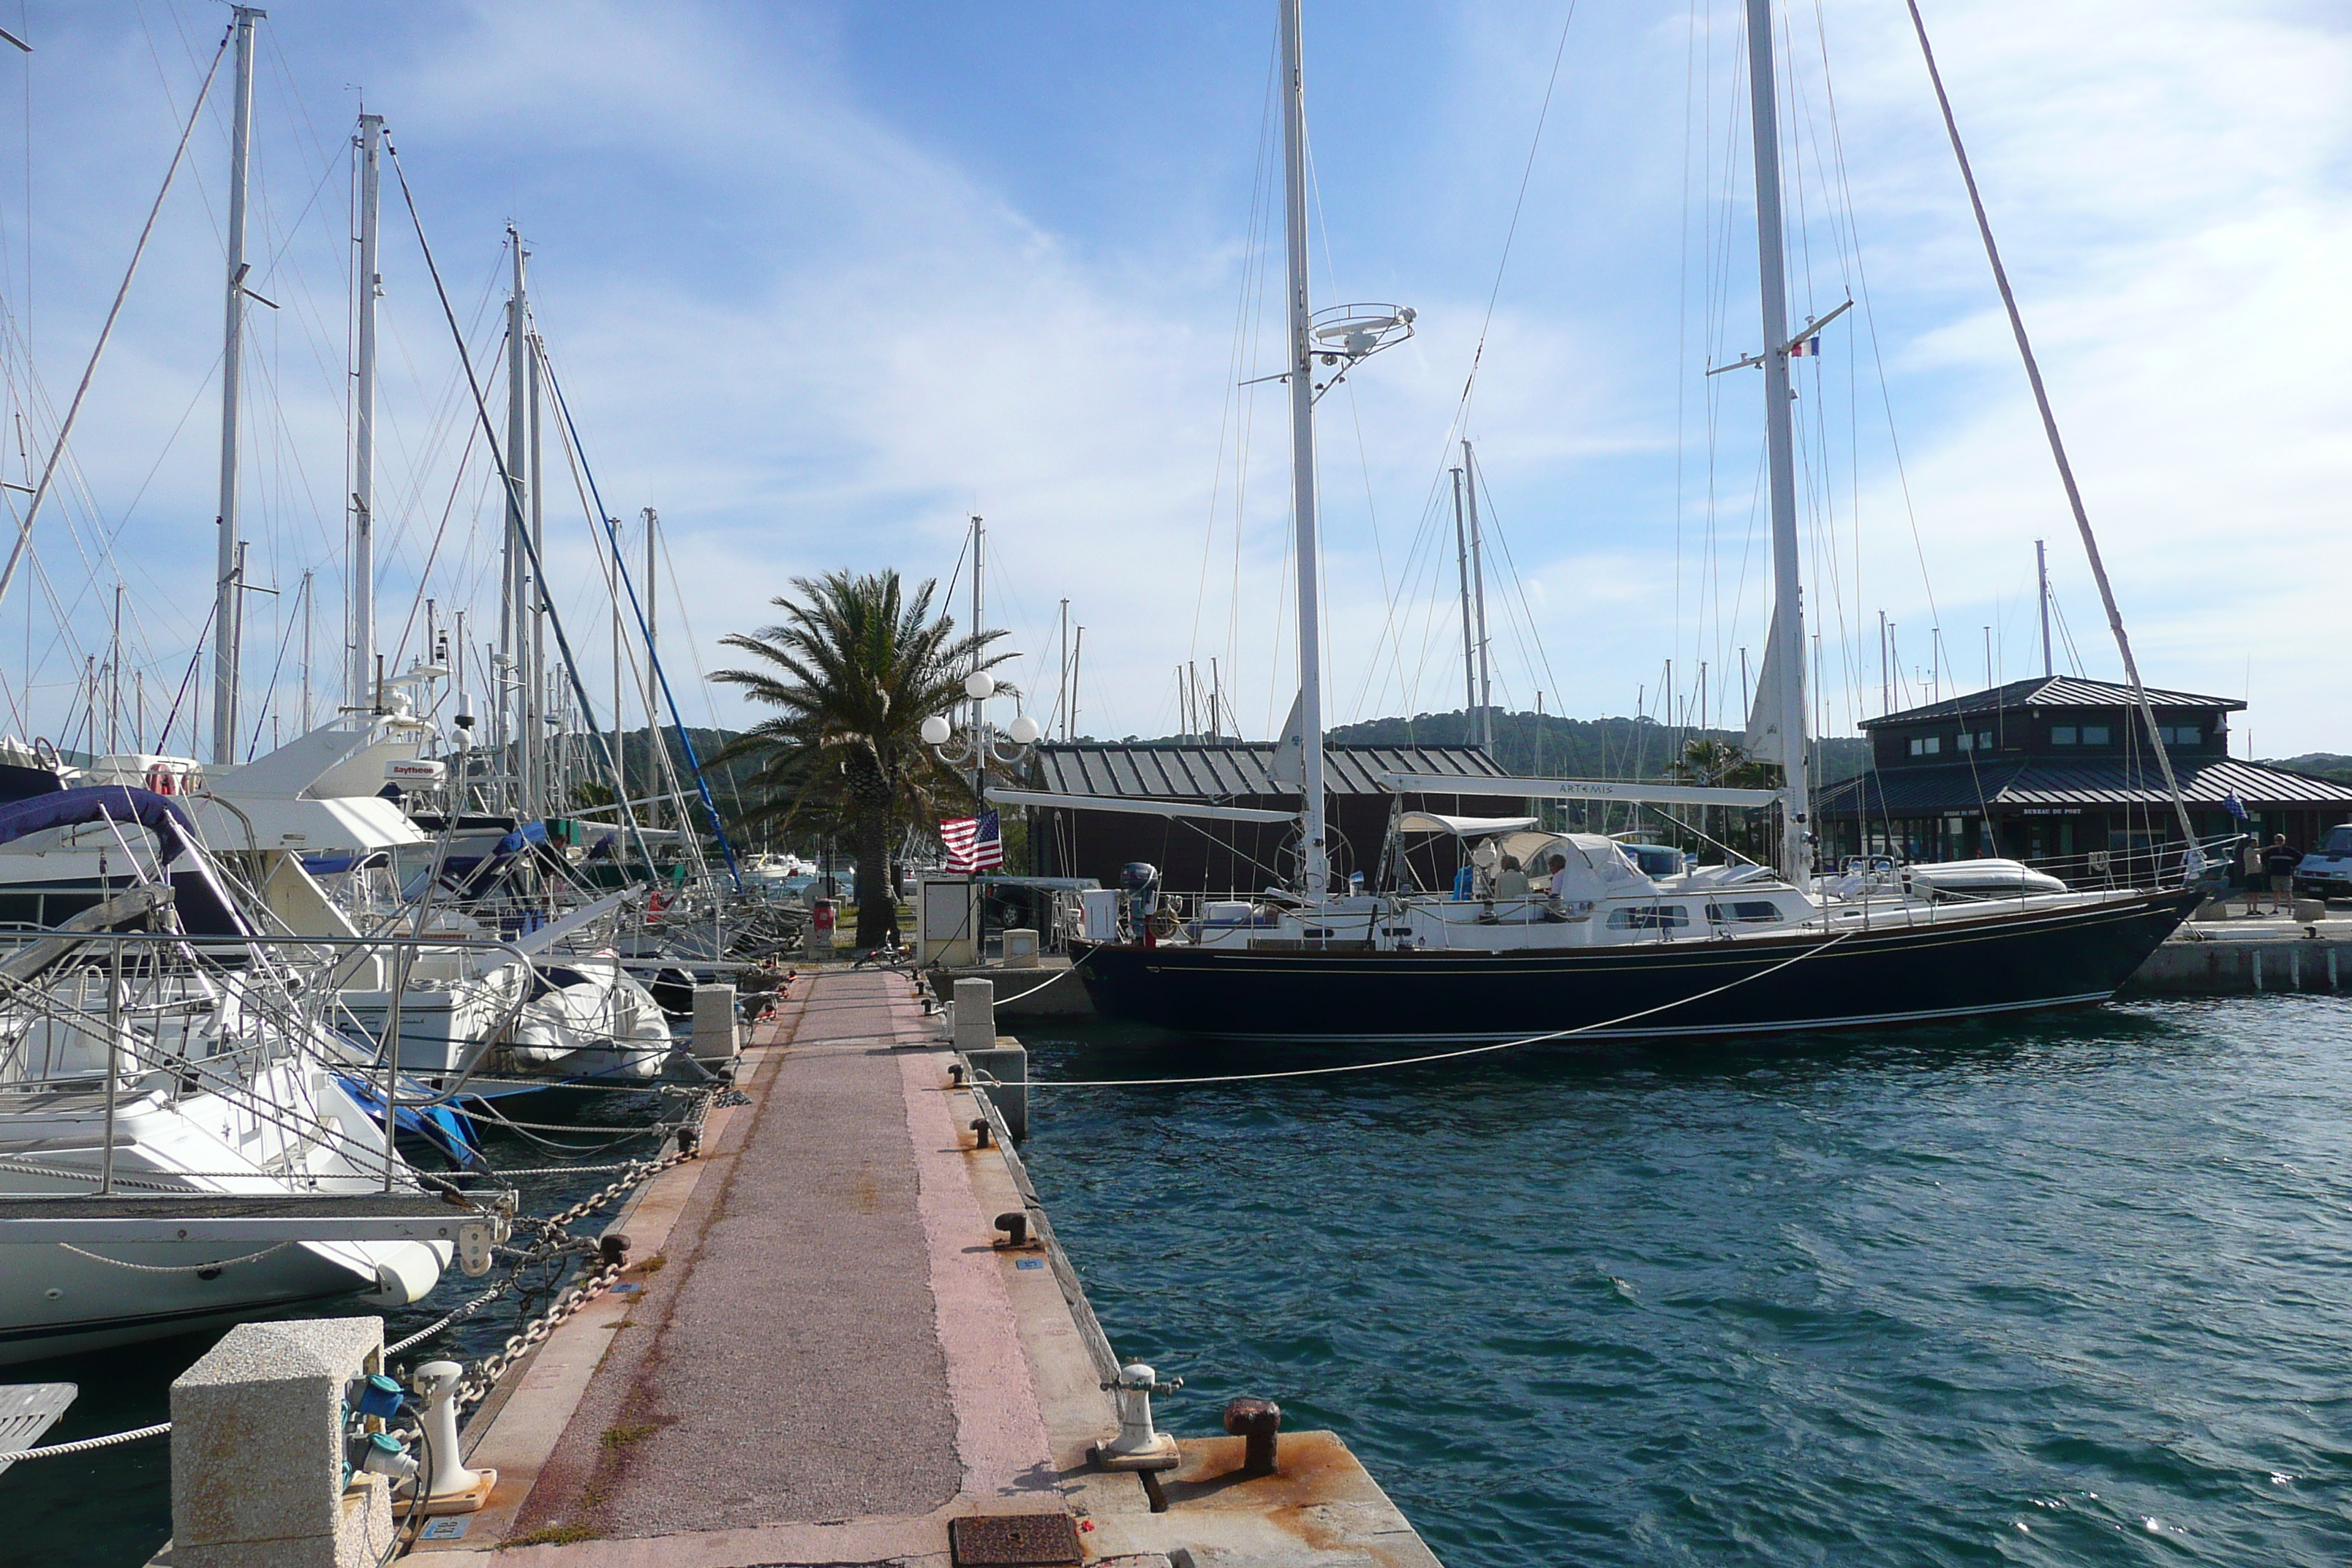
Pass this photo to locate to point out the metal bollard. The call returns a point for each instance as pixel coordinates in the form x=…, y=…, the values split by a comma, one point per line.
x=1257, y=1422
x=451, y=1487
x=1140, y=1445
x=1014, y=1224
x=980, y=1131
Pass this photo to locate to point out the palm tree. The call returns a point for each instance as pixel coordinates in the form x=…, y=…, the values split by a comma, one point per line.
x=1706, y=759
x=852, y=671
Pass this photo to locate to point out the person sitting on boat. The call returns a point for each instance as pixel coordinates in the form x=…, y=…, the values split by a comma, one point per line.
x=1558, y=888
x=1510, y=882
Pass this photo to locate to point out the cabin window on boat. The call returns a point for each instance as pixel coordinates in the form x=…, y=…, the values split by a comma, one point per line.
x=1746, y=910
x=1926, y=745
x=1653, y=917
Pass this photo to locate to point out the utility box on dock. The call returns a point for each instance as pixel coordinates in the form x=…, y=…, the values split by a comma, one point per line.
x=947, y=922
x=715, y=1038
x=258, y=1450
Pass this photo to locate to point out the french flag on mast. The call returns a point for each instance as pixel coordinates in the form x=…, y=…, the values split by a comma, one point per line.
x=974, y=843
x=1806, y=348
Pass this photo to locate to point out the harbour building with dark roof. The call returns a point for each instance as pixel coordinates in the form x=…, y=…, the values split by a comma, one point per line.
x=2061, y=771
x=1231, y=856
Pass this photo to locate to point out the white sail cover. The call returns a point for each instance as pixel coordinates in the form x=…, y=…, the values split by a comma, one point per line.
x=1289, y=770
x=1763, y=740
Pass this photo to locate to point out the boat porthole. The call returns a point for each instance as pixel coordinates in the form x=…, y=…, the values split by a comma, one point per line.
x=53, y=1292
x=211, y=1272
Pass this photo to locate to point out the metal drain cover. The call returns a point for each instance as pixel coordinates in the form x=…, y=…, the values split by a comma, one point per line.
x=1016, y=1540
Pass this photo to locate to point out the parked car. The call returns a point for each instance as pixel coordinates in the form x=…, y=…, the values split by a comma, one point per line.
x=2327, y=871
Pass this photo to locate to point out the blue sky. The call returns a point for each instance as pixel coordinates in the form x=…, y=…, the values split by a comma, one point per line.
x=823, y=280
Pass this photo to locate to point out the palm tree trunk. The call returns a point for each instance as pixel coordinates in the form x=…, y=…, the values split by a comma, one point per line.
x=877, y=897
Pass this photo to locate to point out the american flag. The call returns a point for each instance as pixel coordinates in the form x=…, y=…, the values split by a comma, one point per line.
x=974, y=843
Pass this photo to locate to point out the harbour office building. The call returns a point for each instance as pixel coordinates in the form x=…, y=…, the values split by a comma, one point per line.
x=2061, y=771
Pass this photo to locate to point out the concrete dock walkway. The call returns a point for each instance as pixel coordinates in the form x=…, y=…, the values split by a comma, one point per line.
x=820, y=1355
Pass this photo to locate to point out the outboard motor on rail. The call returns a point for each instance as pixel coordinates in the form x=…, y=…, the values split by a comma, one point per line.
x=1139, y=881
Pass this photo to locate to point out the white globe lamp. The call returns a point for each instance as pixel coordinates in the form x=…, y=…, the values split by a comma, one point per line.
x=979, y=686
x=936, y=730
x=1025, y=730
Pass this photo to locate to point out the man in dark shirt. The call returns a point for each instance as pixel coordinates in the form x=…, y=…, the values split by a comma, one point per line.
x=2279, y=860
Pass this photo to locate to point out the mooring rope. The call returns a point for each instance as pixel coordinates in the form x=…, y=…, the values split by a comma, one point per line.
x=1432, y=1056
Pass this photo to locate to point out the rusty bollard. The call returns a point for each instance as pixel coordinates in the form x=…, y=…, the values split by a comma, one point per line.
x=1014, y=1224
x=1257, y=1421
x=980, y=1131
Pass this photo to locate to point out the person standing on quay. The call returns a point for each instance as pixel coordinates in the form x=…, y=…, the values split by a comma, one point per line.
x=2280, y=861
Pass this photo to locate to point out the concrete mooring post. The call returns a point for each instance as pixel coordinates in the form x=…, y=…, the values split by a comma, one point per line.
x=261, y=1440
x=1001, y=1056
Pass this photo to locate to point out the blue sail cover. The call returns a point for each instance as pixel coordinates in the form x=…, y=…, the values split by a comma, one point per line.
x=100, y=803
x=205, y=910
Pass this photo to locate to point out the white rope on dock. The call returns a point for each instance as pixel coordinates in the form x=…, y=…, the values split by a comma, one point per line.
x=467, y=1311
x=86, y=1444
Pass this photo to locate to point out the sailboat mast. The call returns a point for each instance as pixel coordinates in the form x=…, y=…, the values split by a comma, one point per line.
x=361, y=635
x=2041, y=577
x=1478, y=592
x=1788, y=605
x=225, y=586
x=1469, y=635
x=542, y=767
x=522, y=701
x=1315, y=856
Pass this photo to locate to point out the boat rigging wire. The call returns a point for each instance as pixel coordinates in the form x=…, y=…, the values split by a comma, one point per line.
x=114, y=311
x=2050, y=429
x=539, y=569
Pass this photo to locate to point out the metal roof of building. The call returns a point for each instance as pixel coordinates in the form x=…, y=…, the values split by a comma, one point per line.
x=1166, y=769
x=2054, y=691
x=1958, y=787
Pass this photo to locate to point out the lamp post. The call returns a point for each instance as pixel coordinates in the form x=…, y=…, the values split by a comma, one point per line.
x=978, y=743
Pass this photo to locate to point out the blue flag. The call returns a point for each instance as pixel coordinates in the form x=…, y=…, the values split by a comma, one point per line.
x=2233, y=805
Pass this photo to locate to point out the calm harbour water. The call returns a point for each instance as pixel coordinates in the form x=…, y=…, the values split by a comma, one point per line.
x=2073, y=1291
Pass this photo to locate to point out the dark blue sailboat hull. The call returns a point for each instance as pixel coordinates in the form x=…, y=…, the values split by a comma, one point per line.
x=1956, y=968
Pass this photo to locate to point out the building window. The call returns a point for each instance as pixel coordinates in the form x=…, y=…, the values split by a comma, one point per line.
x=2096, y=735
x=2181, y=734
x=2062, y=734
x=1980, y=742
x=1652, y=918
x=1926, y=745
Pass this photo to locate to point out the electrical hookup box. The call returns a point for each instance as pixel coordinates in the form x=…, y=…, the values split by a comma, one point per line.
x=947, y=922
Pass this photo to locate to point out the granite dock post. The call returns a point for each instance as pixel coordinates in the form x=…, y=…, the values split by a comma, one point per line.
x=825, y=1351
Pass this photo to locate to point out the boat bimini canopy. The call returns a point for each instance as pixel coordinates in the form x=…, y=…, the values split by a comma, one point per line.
x=1578, y=789
x=1461, y=827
